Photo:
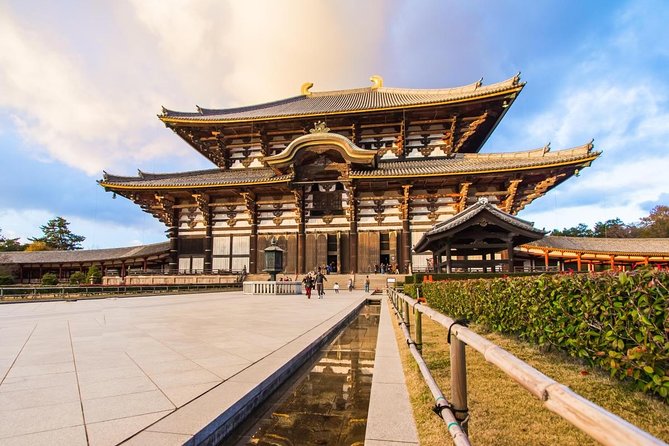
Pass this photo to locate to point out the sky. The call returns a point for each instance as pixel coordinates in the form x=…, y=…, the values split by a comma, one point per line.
x=81, y=83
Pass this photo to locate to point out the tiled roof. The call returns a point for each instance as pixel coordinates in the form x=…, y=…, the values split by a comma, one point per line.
x=640, y=246
x=459, y=164
x=84, y=255
x=476, y=209
x=211, y=177
x=361, y=99
x=479, y=163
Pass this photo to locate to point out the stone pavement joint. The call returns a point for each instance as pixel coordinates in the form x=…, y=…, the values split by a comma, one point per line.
x=68, y=372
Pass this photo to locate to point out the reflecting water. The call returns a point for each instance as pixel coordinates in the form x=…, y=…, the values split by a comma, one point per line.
x=328, y=403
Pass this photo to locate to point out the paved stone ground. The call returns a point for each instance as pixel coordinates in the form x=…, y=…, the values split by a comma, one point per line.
x=99, y=371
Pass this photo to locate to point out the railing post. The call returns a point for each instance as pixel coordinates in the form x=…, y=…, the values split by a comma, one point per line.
x=459, y=383
x=419, y=331
x=407, y=318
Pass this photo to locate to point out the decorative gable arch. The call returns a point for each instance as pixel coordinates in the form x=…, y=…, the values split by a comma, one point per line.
x=323, y=148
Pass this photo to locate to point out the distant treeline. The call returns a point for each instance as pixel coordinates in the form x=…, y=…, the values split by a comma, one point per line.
x=655, y=225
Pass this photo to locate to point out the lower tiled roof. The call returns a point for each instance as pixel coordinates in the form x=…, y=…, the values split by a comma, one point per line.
x=84, y=255
x=639, y=246
x=457, y=165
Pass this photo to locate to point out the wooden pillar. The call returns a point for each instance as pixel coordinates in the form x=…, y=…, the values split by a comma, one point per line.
x=145, y=264
x=436, y=261
x=301, y=232
x=613, y=265
x=405, y=237
x=173, y=234
x=60, y=271
x=122, y=269
x=546, y=258
x=449, y=268
x=253, y=244
x=208, y=241
x=578, y=262
x=353, y=228
x=645, y=261
x=509, y=250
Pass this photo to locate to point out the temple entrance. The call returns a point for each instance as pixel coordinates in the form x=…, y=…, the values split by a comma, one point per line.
x=332, y=262
x=385, y=259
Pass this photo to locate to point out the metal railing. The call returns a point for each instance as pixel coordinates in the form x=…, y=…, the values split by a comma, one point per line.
x=593, y=420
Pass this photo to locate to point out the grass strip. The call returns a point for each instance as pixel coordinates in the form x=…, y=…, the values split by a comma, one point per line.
x=502, y=412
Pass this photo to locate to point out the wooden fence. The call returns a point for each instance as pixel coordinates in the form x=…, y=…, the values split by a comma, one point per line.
x=595, y=421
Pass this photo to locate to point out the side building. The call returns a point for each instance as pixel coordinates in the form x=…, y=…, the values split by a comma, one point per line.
x=349, y=178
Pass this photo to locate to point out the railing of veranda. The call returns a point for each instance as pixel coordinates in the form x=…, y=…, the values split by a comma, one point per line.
x=595, y=421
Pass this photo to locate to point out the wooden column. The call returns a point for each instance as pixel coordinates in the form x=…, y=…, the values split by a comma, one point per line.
x=173, y=234
x=509, y=248
x=208, y=242
x=253, y=244
x=405, y=237
x=301, y=231
x=611, y=260
x=145, y=265
x=546, y=258
x=449, y=268
x=578, y=262
x=353, y=229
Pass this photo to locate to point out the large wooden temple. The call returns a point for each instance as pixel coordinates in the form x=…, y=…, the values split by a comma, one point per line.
x=349, y=178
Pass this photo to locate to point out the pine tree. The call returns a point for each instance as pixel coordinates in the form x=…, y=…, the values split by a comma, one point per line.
x=58, y=236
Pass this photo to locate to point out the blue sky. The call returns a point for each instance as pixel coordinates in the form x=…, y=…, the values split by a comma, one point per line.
x=81, y=83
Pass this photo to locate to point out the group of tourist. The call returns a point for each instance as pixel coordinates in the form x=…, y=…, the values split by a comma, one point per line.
x=316, y=279
x=384, y=268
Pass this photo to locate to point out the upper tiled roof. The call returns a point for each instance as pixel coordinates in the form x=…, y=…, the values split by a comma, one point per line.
x=211, y=177
x=639, y=246
x=341, y=101
x=84, y=255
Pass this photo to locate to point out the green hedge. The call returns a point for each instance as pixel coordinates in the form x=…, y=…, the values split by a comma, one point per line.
x=6, y=280
x=419, y=277
x=617, y=321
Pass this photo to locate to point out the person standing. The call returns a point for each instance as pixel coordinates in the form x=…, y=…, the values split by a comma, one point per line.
x=350, y=284
x=320, y=278
x=336, y=287
x=367, y=284
x=308, y=284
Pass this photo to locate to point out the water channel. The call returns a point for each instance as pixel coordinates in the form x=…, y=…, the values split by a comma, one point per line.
x=327, y=400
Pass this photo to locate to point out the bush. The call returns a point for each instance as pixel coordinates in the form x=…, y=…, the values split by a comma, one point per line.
x=6, y=280
x=619, y=322
x=77, y=278
x=49, y=279
x=94, y=276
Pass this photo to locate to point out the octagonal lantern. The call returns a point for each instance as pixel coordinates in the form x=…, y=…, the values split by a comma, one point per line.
x=273, y=260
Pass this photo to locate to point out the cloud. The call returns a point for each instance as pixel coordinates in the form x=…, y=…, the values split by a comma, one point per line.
x=25, y=224
x=87, y=98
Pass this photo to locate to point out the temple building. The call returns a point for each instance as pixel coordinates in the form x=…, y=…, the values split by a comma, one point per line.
x=350, y=178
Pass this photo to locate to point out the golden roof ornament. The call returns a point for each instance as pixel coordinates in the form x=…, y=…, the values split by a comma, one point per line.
x=377, y=82
x=304, y=90
x=319, y=127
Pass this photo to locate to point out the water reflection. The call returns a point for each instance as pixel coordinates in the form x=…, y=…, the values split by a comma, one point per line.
x=328, y=405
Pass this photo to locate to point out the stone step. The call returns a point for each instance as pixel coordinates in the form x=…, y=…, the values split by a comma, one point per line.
x=375, y=280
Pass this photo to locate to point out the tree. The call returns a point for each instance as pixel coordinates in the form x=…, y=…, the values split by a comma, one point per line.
x=49, y=279
x=10, y=244
x=93, y=276
x=58, y=236
x=77, y=278
x=613, y=228
x=38, y=246
x=656, y=224
x=581, y=230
